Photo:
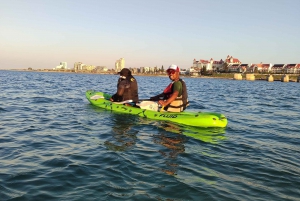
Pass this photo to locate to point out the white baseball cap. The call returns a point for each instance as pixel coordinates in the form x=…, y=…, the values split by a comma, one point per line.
x=174, y=67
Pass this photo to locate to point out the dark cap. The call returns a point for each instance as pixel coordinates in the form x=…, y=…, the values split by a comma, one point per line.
x=125, y=72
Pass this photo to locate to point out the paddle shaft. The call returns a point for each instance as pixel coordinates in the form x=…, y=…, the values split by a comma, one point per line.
x=144, y=100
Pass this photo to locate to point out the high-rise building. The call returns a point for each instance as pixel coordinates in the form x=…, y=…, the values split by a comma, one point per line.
x=119, y=64
x=62, y=66
x=77, y=66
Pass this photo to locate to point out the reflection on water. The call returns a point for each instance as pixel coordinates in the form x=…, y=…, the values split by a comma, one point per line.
x=209, y=135
x=174, y=145
x=170, y=136
x=123, y=137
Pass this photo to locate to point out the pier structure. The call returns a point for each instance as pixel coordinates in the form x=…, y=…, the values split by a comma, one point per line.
x=270, y=78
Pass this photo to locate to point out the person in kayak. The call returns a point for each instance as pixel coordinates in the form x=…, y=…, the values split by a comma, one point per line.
x=127, y=88
x=174, y=98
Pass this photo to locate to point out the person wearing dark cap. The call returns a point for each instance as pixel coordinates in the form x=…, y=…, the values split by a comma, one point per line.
x=127, y=87
x=174, y=98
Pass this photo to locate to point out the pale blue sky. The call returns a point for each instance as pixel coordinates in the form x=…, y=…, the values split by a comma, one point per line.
x=42, y=33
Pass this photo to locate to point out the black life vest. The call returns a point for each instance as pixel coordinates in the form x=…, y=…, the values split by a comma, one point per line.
x=131, y=93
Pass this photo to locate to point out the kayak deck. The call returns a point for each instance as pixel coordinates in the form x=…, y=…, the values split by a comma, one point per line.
x=197, y=119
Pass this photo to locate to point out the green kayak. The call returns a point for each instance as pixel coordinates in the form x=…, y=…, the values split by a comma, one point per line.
x=197, y=119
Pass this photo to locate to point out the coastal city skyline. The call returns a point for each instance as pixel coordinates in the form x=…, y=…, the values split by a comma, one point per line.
x=230, y=64
x=152, y=33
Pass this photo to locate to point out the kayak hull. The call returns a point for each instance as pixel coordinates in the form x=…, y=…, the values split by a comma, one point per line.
x=197, y=119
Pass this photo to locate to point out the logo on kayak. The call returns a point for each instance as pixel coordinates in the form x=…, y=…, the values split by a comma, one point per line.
x=168, y=115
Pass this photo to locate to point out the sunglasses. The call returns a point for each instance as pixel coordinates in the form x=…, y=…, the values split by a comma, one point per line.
x=171, y=72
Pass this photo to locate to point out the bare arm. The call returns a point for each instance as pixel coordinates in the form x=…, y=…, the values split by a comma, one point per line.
x=169, y=100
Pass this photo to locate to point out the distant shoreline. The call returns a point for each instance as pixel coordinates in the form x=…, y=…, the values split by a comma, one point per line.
x=230, y=76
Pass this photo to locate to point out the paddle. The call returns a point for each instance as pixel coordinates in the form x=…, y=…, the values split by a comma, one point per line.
x=144, y=100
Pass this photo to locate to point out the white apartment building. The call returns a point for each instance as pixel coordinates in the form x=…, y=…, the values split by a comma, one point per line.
x=119, y=64
x=63, y=65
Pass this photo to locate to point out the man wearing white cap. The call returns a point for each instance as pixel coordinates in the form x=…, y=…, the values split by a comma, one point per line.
x=174, y=98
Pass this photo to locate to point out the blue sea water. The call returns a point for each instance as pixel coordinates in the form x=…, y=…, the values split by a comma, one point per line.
x=54, y=145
